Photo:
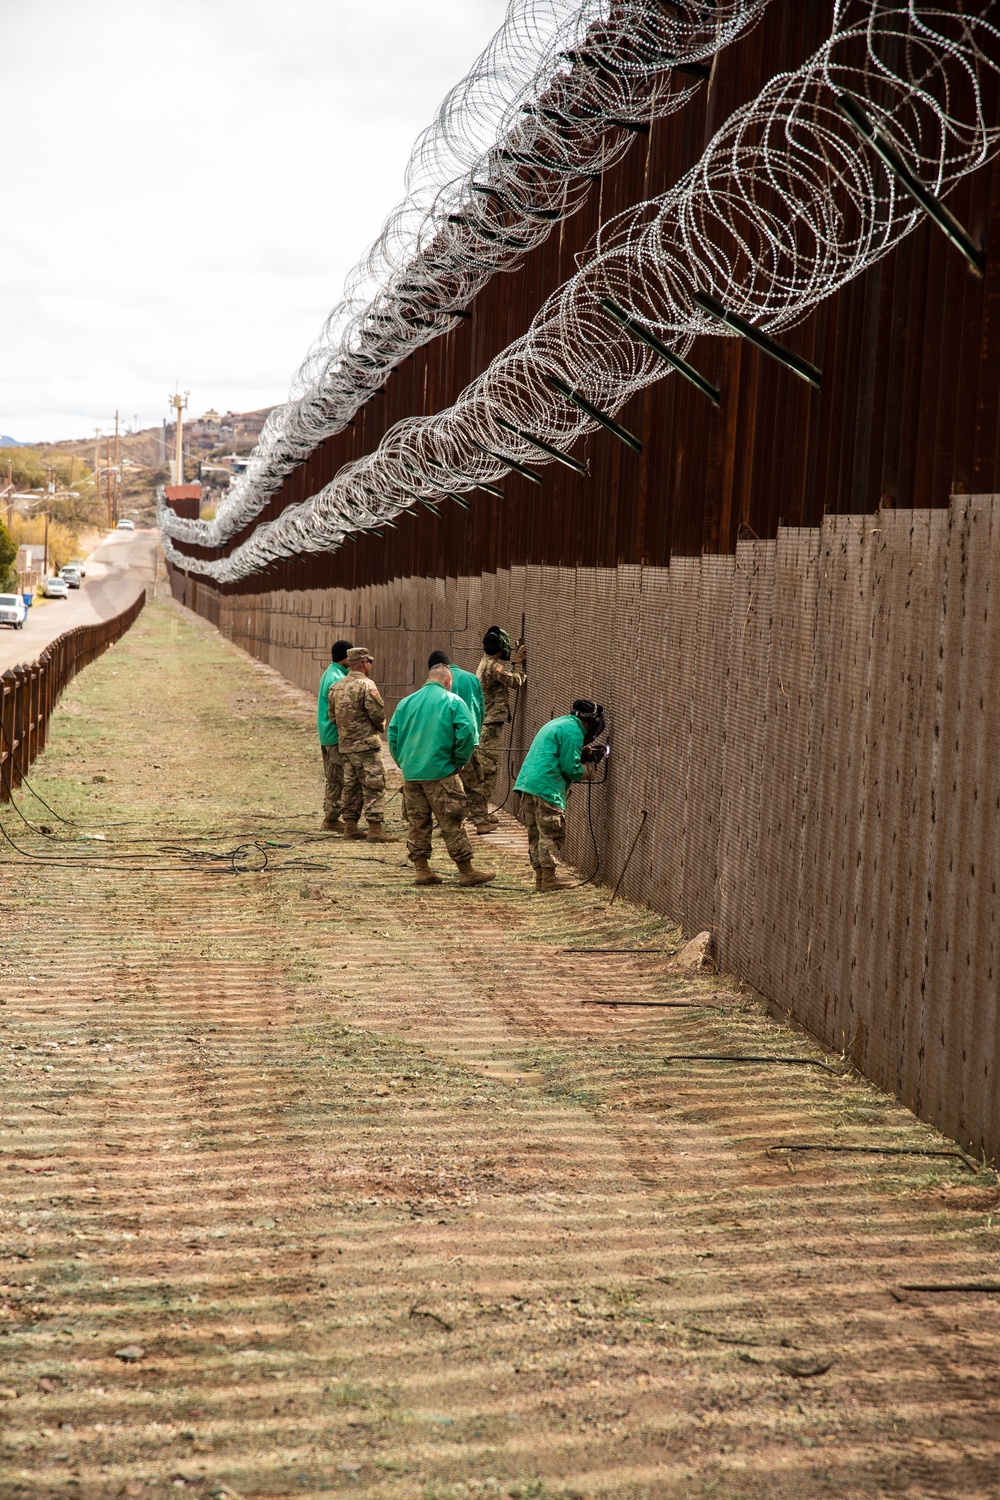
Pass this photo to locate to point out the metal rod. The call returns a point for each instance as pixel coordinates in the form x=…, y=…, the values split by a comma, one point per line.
x=949, y=1286
x=511, y=464
x=628, y=438
x=628, y=860
x=874, y=1150
x=658, y=1004
x=508, y=241
x=556, y=453
x=528, y=209
x=477, y=484
x=761, y=341
x=798, y=1062
x=693, y=69
x=548, y=163
x=647, y=336
x=892, y=159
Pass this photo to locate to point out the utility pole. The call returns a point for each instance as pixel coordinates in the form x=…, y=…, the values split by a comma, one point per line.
x=118, y=475
x=107, y=470
x=179, y=403
x=97, y=464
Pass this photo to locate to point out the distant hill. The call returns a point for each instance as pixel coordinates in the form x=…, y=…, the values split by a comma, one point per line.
x=9, y=442
x=236, y=432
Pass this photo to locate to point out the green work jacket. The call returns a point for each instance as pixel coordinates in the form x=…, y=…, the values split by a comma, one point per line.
x=465, y=685
x=553, y=761
x=327, y=728
x=431, y=734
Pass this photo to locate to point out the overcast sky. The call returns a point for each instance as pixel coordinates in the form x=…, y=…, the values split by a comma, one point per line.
x=187, y=184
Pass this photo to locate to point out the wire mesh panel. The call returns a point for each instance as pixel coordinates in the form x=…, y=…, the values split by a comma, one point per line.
x=793, y=664
x=810, y=727
x=974, y=1033
x=655, y=774
x=622, y=802
x=740, y=751
x=706, y=699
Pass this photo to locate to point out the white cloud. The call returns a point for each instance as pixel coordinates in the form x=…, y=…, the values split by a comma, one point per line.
x=188, y=183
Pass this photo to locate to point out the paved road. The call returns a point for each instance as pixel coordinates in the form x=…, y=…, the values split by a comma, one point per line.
x=119, y=569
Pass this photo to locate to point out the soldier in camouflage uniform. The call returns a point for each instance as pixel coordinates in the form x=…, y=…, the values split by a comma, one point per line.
x=500, y=669
x=357, y=707
x=431, y=737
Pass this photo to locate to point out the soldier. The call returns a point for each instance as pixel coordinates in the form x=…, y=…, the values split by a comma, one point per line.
x=359, y=713
x=333, y=761
x=500, y=669
x=431, y=736
x=466, y=686
x=555, y=760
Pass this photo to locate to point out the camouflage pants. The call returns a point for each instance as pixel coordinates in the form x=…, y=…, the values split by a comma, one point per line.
x=364, y=785
x=471, y=777
x=333, y=771
x=423, y=801
x=487, y=758
x=546, y=827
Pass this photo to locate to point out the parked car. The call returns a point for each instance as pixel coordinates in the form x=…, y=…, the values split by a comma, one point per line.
x=77, y=563
x=125, y=524
x=71, y=575
x=55, y=588
x=12, y=610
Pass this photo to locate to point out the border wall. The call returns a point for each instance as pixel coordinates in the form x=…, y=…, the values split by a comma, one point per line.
x=785, y=603
x=809, y=726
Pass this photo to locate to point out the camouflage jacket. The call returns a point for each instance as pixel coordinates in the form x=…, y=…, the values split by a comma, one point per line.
x=356, y=705
x=496, y=678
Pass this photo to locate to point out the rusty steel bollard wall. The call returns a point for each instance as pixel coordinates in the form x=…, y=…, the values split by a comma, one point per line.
x=30, y=692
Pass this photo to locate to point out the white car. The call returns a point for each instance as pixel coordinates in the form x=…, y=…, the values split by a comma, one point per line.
x=12, y=610
x=71, y=575
x=55, y=588
x=125, y=524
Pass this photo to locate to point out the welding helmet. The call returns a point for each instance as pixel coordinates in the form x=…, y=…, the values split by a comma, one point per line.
x=591, y=716
x=496, y=640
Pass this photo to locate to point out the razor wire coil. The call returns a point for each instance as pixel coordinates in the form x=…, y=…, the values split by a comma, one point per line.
x=787, y=204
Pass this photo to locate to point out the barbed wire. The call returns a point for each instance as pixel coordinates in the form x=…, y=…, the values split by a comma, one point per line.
x=555, y=100
x=788, y=203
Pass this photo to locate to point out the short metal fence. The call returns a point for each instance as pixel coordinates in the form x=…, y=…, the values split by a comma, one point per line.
x=30, y=692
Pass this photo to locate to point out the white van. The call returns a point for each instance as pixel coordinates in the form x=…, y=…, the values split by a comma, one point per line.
x=12, y=610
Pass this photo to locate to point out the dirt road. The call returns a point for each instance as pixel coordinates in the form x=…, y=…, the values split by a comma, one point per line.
x=315, y=1183
x=119, y=569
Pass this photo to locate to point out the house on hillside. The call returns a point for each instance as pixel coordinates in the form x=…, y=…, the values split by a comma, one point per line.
x=29, y=565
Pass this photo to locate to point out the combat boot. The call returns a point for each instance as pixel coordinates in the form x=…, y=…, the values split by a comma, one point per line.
x=546, y=879
x=378, y=835
x=469, y=875
x=351, y=830
x=425, y=875
x=333, y=825
x=485, y=826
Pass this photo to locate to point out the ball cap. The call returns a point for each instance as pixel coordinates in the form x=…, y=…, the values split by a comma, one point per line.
x=357, y=655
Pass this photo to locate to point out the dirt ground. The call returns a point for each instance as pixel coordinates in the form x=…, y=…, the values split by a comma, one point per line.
x=314, y=1183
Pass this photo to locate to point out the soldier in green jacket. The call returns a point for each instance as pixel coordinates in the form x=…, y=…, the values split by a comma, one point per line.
x=333, y=761
x=431, y=737
x=467, y=687
x=359, y=713
x=553, y=763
